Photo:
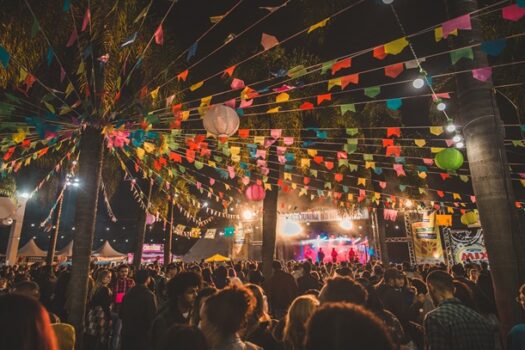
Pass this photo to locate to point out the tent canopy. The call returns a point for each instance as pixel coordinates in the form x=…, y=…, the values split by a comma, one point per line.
x=31, y=250
x=217, y=258
x=67, y=250
x=107, y=251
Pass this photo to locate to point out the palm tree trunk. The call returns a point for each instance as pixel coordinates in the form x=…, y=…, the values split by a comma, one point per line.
x=137, y=257
x=484, y=134
x=269, y=224
x=53, y=240
x=168, y=236
x=90, y=174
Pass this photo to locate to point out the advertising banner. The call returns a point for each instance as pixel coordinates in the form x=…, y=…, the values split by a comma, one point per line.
x=466, y=245
x=427, y=242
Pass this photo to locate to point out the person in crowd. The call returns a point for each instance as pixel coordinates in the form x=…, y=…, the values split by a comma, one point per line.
x=182, y=292
x=343, y=289
x=390, y=291
x=137, y=312
x=4, y=286
x=344, y=270
x=259, y=327
x=452, y=325
x=422, y=303
x=183, y=337
x=341, y=326
x=120, y=287
x=207, y=279
x=224, y=314
x=307, y=281
x=351, y=254
x=281, y=290
x=220, y=277
x=298, y=315
x=32, y=289
x=162, y=290
x=516, y=336
x=334, y=255
x=24, y=324
x=99, y=314
x=199, y=300
x=320, y=255
x=255, y=275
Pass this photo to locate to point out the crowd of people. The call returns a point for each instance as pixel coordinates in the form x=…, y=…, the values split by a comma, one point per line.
x=231, y=306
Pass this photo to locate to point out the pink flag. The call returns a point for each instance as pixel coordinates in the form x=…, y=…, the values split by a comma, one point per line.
x=284, y=88
x=230, y=103
x=72, y=38
x=449, y=142
x=428, y=161
x=231, y=172
x=482, y=74
x=245, y=180
x=399, y=170
x=261, y=163
x=281, y=150
x=513, y=12
x=382, y=184
x=87, y=19
x=159, y=35
x=288, y=140
x=276, y=133
x=282, y=159
x=62, y=74
x=268, y=142
x=462, y=22
x=246, y=103
x=237, y=84
x=212, y=181
x=440, y=95
x=261, y=153
x=268, y=41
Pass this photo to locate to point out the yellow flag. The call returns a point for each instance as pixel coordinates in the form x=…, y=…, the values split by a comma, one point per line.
x=185, y=115
x=287, y=176
x=450, y=210
x=19, y=136
x=350, y=197
x=282, y=97
x=456, y=196
x=259, y=140
x=268, y=186
x=396, y=46
x=334, y=82
x=205, y=101
x=149, y=147
x=140, y=153
x=436, y=130
x=436, y=149
x=196, y=86
x=361, y=181
x=236, y=158
x=420, y=142
x=294, y=185
x=318, y=25
x=273, y=110
x=305, y=162
x=522, y=182
x=422, y=175
x=438, y=33
x=235, y=150
x=312, y=152
x=369, y=165
x=155, y=93
x=212, y=164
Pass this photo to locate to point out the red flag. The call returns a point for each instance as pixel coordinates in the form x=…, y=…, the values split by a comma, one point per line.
x=394, y=70
x=379, y=52
x=159, y=35
x=183, y=75
x=393, y=132
x=87, y=19
x=325, y=97
x=337, y=66
x=229, y=71
x=306, y=106
x=347, y=79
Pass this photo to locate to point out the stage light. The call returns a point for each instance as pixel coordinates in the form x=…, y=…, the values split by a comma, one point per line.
x=418, y=83
x=441, y=106
x=291, y=228
x=460, y=145
x=457, y=138
x=451, y=127
x=205, y=204
x=346, y=224
x=248, y=214
x=408, y=203
x=25, y=195
x=436, y=255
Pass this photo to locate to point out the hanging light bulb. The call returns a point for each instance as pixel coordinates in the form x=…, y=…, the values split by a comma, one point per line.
x=460, y=145
x=457, y=138
x=451, y=127
x=441, y=106
x=418, y=83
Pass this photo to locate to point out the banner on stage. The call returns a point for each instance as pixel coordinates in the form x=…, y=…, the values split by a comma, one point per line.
x=427, y=242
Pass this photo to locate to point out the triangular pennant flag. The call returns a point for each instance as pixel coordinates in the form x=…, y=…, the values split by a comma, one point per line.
x=192, y=51
x=394, y=70
x=372, y=91
x=342, y=64
x=183, y=75
x=318, y=25
x=159, y=35
x=379, y=52
x=268, y=41
x=196, y=86
x=395, y=47
x=458, y=54
x=462, y=22
x=4, y=57
x=87, y=19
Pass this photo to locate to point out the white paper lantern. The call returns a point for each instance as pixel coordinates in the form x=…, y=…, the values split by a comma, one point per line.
x=7, y=207
x=221, y=121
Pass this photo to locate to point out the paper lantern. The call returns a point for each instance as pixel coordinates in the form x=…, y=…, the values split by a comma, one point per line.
x=255, y=193
x=7, y=207
x=469, y=218
x=7, y=222
x=221, y=121
x=449, y=159
x=150, y=219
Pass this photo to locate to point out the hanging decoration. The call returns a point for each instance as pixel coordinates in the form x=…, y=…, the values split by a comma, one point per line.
x=449, y=159
x=221, y=121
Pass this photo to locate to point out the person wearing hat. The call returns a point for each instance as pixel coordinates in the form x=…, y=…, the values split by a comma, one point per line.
x=137, y=313
x=390, y=291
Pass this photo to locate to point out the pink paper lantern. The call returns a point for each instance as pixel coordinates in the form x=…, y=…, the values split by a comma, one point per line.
x=255, y=193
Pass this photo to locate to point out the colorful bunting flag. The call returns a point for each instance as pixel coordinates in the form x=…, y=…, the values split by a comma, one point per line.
x=318, y=25
x=268, y=41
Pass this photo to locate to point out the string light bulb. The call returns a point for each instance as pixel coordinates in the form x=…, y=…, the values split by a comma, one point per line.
x=441, y=106
x=457, y=138
x=451, y=127
x=460, y=145
x=418, y=83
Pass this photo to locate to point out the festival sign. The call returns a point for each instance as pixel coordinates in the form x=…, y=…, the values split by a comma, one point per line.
x=427, y=242
x=466, y=245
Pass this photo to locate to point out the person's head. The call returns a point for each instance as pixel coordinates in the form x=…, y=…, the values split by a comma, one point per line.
x=142, y=277
x=28, y=288
x=224, y=314
x=260, y=312
x=182, y=289
x=340, y=326
x=202, y=295
x=394, y=278
x=171, y=271
x=103, y=278
x=440, y=286
x=343, y=289
x=521, y=296
x=421, y=289
x=276, y=265
x=465, y=294
x=307, y=268
x=183, y=337
x=299, y=312
x=458, y=271
x=474, y=273
x=25, y=324
x=123, y=271
x=3, y=283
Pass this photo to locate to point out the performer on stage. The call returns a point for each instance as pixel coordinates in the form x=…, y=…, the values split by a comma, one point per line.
x=320, y=255
x=334, y=255
x=351, y=254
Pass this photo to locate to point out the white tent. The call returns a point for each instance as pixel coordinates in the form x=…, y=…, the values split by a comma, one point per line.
x=31, y=250
x=107, y=251
x=66, y=251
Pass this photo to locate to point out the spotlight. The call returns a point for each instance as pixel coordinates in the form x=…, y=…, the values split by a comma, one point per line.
x=441, y=106
x=460, y=145
x=205, y=204
x=418, y=83
x=346, y=224
x=451, y=127
x=457, y=138
x=247, y=214
x=24, y=195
